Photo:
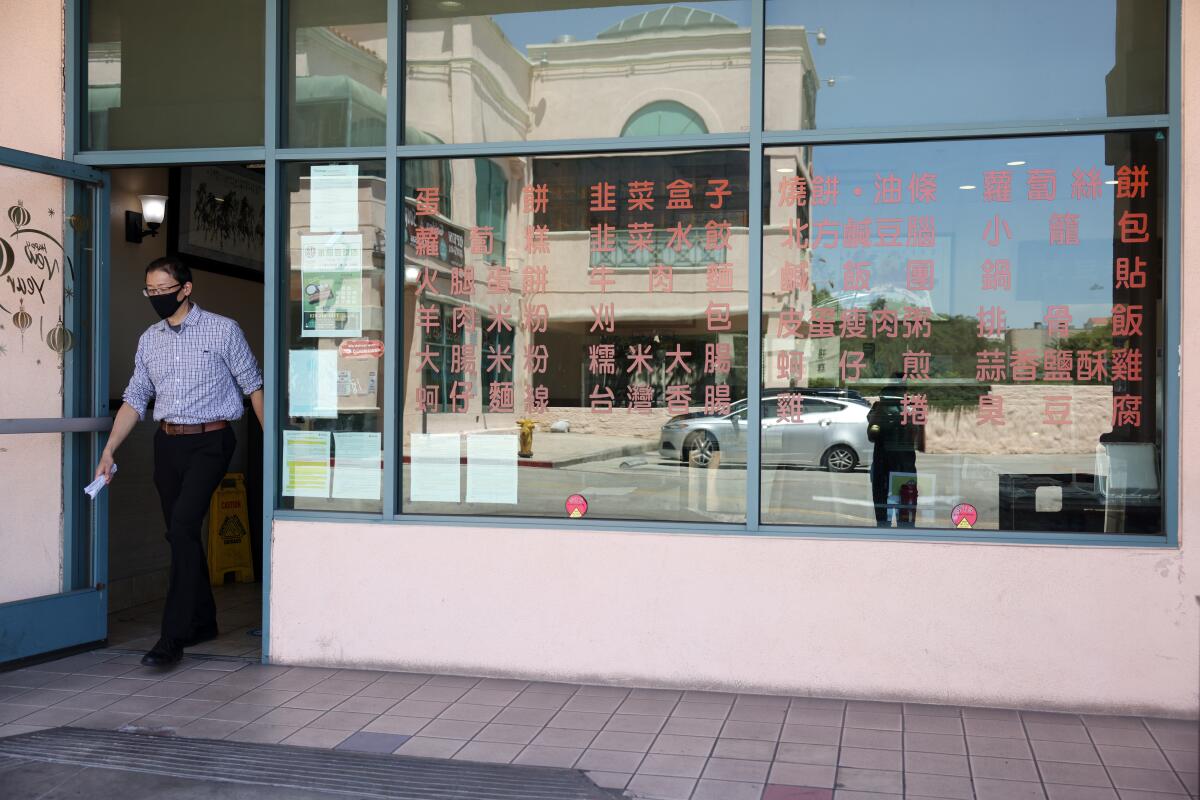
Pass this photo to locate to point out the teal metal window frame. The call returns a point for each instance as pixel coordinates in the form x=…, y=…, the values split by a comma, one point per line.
x=273, y=155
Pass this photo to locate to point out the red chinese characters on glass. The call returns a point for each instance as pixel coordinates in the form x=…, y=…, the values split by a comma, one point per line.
x=856, y=276
x=1041, y=184
x=428, y=198
x=997, y=186
x=919, y=275
x=640, y=195
x=789, y=407
x=427, y=399
x=1056, y=409
x=1134, y=227
x=717, y=400
x=1064, y=229
x=992, y=321
x=718, y=358
x=789, y=365
x=851, y=363
x=994, y=229
x=997, y=274
x=1133, y=182
x=1086, y=185
x=1130, y=273
x=793, y=192
x=535, y=198
x=1127, y=410
x=888, y=188
x=914, y=409
x=603, y=197
x=718, y=190
x=991, y=410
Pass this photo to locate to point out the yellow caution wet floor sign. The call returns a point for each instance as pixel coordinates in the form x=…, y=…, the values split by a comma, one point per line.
x=229, y=532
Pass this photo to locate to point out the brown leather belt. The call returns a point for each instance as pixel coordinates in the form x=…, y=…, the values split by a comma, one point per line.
x=171, y=429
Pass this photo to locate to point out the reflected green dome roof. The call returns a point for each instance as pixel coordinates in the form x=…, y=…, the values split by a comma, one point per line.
x=677, y=18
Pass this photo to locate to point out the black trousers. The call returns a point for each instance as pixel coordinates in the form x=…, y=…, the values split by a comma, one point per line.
x=187, y=470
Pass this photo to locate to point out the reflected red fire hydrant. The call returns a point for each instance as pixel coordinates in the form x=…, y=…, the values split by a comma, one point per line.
x=907, y=513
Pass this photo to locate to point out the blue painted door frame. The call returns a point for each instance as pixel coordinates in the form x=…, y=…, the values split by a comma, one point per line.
x=77, y=614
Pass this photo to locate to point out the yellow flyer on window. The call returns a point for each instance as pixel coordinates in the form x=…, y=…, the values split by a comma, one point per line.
x=306, y=470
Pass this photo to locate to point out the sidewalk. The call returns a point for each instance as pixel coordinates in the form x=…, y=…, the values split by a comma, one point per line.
x=652, y=743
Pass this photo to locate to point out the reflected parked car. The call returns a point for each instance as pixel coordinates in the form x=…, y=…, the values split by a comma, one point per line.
x=831, y=433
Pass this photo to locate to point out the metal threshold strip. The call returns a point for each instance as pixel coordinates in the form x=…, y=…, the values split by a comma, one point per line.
x=337, y=772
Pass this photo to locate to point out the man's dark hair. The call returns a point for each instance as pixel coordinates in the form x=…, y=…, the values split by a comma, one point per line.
x=173, y=267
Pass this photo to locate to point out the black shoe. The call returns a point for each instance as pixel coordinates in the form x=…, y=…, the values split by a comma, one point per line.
x=204, y=634
x=164, y=654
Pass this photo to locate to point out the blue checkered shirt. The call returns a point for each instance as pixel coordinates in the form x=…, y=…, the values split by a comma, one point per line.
x=195, y=374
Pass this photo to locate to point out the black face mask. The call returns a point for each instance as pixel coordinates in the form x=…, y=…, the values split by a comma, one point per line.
x=166, y=304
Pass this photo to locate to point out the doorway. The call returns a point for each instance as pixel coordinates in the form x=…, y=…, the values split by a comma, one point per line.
x=214, y=223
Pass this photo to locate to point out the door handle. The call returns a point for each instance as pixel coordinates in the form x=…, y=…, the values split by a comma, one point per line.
x=56, y=425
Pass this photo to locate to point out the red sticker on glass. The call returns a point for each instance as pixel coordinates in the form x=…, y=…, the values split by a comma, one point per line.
x=576, y=506
x=964, y=515
x=361, y=348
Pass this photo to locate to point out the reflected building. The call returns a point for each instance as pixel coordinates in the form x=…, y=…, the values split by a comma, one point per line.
x=673, y=71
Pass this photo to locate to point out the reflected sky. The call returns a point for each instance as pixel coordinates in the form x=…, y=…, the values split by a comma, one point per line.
x=910, y=62
x=1042, y=274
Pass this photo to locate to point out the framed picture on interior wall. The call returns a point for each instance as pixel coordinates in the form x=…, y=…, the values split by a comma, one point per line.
x=215, y=219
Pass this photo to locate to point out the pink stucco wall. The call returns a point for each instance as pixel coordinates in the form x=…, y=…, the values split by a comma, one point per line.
x=31, y=76
x=31, y=118
x=1043, y=626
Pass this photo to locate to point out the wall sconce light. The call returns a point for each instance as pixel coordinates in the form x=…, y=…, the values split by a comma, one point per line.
x=154, y=208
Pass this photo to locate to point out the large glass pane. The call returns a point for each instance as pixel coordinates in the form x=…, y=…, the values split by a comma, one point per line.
x=174, y=74
x=965, y=334
x=504, y=70
x=337, y=87
x=45, y=266
x=870, y=63
x=332, y=440
x=575, y=336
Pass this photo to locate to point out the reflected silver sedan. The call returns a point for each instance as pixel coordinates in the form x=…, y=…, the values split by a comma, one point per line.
x=830, y=433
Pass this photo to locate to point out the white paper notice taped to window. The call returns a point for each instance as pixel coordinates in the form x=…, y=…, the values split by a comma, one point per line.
x=333, y=198
x=492, y=468
x=435, y=473
x=357, y=465
x=306, y=463
x=313, y=383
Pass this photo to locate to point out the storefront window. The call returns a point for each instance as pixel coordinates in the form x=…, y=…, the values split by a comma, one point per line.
x=331, y=446
x=965, y=334
x=169, y=75
x=338, y=73
x=611, y=327
x=536, y=70
x=832, y=64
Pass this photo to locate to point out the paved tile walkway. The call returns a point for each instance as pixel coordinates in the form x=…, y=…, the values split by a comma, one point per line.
x=239, y=608
x=654, y=743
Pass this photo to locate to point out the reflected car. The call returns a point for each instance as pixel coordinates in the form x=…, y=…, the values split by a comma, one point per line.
x=831, y=433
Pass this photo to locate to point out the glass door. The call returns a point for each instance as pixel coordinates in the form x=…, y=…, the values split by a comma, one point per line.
x=53, y=404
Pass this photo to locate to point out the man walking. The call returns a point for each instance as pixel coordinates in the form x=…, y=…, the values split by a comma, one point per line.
x=196, y=366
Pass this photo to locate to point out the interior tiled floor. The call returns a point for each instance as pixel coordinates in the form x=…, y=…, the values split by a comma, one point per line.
x=654, y=743
x=239, y=618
